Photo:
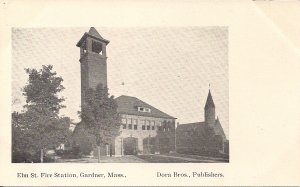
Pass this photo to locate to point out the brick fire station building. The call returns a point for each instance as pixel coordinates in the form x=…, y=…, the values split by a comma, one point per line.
x=145, y=129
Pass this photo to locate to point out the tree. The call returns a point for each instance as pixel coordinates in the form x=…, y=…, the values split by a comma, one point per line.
x=82, y=140
x=99, y=115
x=42, y=89
x=40, y=126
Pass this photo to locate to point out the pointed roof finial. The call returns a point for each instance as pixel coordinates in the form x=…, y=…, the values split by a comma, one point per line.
x=209, y=101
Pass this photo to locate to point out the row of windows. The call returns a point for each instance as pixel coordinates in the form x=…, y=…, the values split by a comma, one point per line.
x=143, y=122
x=129, y=123
x=146, y=127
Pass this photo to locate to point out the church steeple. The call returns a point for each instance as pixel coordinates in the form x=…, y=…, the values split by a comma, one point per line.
x=209, y=101
x=209, y=110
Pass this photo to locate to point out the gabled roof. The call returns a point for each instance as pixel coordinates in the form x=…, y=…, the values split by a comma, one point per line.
x=190, y=130
x=129, y=105
x=209, y=101
x=218, y=128
x=200, y=127
x=191, y=126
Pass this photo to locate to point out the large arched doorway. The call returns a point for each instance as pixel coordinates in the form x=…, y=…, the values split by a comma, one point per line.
x=130, y=146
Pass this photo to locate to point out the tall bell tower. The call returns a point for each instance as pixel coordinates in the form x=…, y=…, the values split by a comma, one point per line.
x=92, y=60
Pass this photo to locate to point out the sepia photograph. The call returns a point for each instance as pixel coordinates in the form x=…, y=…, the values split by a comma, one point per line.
x=120, y=95
x=149, y=93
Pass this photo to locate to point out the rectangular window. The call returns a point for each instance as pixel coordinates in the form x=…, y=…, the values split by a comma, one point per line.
x=143, y=127
x=153, y=127
x=143, y=109
x=129, y=126
x=135, y=127
x=148, y=127
x=124, y=126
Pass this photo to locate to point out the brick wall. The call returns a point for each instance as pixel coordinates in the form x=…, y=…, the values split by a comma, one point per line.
x=161, y=138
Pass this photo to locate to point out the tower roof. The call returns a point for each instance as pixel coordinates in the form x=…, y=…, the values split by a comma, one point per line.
x=93, y=33
x=209, y=101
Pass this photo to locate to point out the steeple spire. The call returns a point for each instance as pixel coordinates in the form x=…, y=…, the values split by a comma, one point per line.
x=209, y=111
x=209, y=101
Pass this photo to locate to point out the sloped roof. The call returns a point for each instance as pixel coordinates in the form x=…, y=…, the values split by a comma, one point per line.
x=191, y=126
x=129, y=105
x=209, y=101
x=219, y=129
x=200, y=127
x=93, y=33
x=196, y=130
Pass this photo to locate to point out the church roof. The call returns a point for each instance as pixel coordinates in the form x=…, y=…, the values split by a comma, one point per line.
x=129, y=105
x=218, y=128
x=209, y=101
x=191, y=126
x=190, y=130
x=200, y=127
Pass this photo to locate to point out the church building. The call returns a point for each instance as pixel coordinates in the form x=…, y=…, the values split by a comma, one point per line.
x=206, y=137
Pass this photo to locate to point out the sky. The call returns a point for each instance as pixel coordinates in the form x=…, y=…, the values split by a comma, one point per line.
x=170, y=68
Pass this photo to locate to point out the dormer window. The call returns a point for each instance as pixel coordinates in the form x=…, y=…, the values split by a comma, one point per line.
x=144, y=109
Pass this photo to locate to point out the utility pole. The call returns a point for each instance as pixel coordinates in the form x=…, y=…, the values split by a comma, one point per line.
x=149, y=144
x=98, y=147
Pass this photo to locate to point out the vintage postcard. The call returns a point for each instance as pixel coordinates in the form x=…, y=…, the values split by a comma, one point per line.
x=191, y=93
x=187, y=64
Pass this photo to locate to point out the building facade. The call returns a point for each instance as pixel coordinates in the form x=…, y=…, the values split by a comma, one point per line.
x=205, y=137
x=144, y=130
